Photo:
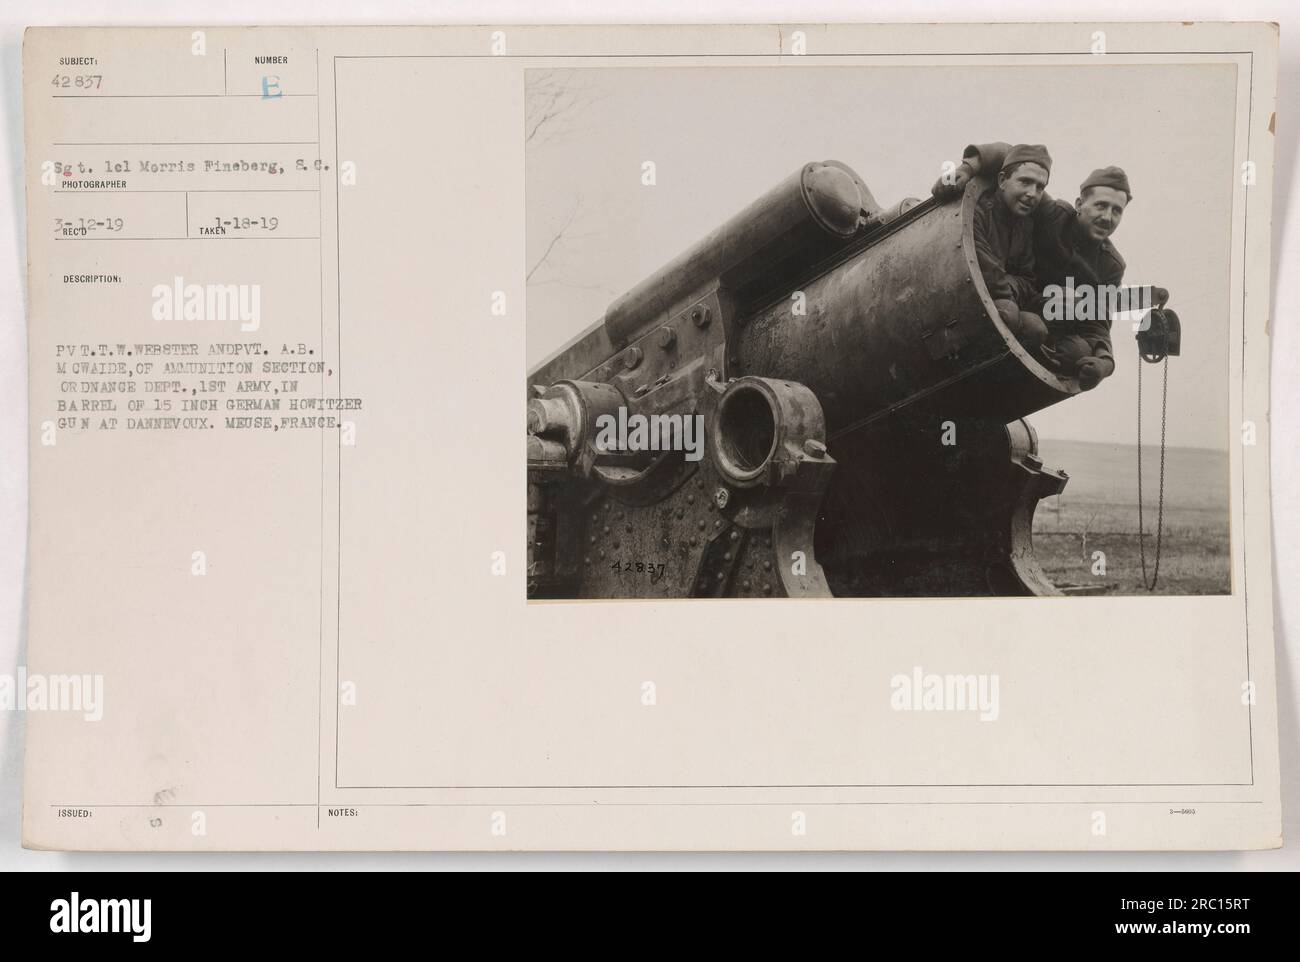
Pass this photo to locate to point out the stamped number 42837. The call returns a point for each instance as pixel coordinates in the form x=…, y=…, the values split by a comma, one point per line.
x=90, y=81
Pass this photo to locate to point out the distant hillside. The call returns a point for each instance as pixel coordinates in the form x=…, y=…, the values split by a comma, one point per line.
x=1107, y=473
x=1097, y=512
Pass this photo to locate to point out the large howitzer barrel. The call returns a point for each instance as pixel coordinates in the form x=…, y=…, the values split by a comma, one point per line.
x=815, y=333
x=901, y=322
x=809, y=214
x=874, y=313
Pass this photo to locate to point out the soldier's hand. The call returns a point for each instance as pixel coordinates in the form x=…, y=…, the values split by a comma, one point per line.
x=1054, y=361
x=1093, y=370
x=953, y=184
x=1159, y=296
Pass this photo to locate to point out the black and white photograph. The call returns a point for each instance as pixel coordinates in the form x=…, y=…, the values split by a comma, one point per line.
x=869, y=331
x=907, y=403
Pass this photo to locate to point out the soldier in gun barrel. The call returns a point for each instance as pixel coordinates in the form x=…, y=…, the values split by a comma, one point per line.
x=1072, y=252
x=1004, y=240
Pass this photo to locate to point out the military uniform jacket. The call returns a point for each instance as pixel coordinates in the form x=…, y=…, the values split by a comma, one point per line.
x=1004, y=246
x=1061, y=251
x=1064, y=253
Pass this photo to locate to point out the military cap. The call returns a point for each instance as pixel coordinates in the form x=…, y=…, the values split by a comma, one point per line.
x=1028, y=153
x=1108, y=177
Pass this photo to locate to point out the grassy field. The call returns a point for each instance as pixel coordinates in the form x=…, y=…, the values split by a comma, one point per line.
x=1098, y=512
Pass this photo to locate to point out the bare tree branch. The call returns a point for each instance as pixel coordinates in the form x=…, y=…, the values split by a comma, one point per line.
x=554, y=104
x=553, y=101
x=568, y=221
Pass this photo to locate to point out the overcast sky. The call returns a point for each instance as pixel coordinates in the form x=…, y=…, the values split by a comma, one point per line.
x=720, y=136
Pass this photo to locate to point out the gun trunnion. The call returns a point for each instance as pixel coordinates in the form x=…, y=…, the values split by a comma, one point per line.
x=831, y=347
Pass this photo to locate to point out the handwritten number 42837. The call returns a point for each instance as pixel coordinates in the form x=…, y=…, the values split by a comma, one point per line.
x=656, y=571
